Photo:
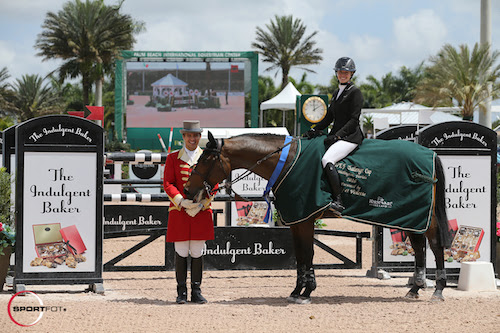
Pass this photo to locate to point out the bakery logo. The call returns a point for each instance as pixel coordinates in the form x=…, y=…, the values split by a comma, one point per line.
x=61, y=194
x=258, y=249
x=62, y=131
x=380, y=203
x=410, y=137
x=28, y=310
x=137, y=221
x=461, y=136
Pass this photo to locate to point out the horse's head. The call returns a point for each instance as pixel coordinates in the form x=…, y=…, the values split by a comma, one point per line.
x=211, y=169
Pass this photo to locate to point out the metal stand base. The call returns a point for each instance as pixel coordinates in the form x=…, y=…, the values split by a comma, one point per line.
x=97, y=288
x=20, y=287
x=378, y=273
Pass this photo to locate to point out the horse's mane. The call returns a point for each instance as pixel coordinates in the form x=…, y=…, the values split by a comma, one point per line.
x=258, y=135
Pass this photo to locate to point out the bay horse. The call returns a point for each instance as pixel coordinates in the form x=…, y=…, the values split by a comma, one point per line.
x=259, y=153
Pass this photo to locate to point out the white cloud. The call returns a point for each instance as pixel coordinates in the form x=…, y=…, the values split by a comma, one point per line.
x=417, y=35
x=366, y=47
x=28, y=10
x=6, y=53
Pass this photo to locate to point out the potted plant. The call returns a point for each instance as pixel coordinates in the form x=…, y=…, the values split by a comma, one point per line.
x=7, y=232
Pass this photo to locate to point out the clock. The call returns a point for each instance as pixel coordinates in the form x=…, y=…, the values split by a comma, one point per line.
x=314, y=109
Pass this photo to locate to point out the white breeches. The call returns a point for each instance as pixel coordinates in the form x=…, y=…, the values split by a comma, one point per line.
x=337, y=151
x=191, y=246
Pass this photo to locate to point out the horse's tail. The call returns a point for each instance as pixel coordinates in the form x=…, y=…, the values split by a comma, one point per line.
x=445, y=231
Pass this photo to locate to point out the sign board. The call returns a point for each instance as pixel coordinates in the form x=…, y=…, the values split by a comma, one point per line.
x=402, y=132
x=59, y=201
x=250, y=248
x=134, y=218
x=390, y=242
x=245, y=213
x=468, y=152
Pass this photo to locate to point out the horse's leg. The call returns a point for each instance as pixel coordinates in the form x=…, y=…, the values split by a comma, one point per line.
x=303, y=236
x=301, y=267
x=418, y=245
x=308, y=247
x=434, y=242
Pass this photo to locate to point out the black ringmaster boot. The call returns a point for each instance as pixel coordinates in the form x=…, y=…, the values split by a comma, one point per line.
x=334, y=180
x=196, y=275
x=181, y=276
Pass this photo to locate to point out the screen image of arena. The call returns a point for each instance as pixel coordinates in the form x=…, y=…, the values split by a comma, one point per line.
x=162, y=89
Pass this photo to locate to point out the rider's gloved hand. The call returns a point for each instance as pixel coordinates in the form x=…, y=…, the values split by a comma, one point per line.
x=312, y=133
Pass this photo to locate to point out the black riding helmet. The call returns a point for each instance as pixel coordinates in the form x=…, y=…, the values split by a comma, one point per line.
x=345, y=64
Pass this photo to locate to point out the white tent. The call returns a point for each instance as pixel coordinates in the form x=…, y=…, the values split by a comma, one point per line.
x=169, y=85
x=285, y=100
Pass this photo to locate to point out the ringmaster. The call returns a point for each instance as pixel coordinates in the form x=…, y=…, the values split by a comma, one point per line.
x=189, y=224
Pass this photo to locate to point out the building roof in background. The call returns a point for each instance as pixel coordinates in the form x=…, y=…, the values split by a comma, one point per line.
x=408, y=113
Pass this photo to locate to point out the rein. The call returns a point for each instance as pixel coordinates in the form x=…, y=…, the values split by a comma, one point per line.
x=228, y=184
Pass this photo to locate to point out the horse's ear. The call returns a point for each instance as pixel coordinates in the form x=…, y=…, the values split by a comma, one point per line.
x=211, y=144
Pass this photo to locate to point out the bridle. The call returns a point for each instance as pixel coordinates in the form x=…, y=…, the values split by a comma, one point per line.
x=217, y=151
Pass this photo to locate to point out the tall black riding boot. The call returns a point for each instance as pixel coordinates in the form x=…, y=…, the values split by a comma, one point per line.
x=181, y=276
x=196, y=275
x=334, y=180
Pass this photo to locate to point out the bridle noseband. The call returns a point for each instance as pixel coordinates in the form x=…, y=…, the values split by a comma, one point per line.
x=217, y=150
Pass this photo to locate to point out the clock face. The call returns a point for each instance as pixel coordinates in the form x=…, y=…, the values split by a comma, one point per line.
x=314, y=109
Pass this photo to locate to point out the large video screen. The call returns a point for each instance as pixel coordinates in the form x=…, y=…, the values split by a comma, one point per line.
x=164, y=94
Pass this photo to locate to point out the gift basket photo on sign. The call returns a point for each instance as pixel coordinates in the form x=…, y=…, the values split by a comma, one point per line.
x=465, y=245
x=250, y=213
x=56, y=246
x=401, y=244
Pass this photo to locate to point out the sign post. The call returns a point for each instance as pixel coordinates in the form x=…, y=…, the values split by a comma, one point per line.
x=59, y=202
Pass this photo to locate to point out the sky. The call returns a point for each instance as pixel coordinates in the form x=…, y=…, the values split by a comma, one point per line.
x=380, y=35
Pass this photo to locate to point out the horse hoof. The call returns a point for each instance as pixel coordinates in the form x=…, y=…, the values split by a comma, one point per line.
x=411, y=295
x=292, y=299
x=303, y=300
x=437, y=298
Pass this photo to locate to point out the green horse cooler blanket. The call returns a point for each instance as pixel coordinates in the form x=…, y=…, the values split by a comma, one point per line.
x=386, y=183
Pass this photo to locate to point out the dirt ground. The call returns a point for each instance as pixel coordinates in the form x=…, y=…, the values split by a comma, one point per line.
x=255, y=301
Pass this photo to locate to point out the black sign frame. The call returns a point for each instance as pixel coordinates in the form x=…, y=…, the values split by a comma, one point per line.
x=465, y=138
x=9, y=147
x=93, y=142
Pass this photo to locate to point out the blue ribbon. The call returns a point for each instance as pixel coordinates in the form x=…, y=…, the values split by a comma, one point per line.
x=276, y=173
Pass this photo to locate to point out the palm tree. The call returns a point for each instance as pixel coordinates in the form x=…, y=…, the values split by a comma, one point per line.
x=33, y=98
x=379, y=92
x=460, y=77
x=5, y=91
x=88, y=37
x=406, y=83
x=285, y=45
x=303, y=86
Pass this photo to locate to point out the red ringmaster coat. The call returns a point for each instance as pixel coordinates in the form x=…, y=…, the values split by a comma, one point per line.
x=181, y=226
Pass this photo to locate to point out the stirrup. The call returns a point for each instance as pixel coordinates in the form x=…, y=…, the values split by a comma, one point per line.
x=336, y=207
